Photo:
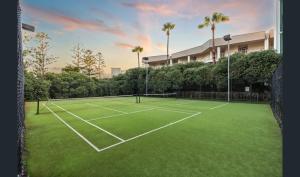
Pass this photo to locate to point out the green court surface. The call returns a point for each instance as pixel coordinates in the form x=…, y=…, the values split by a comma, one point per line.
x=167, y=137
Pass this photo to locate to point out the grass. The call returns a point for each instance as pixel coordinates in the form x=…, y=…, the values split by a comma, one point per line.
x=215, y=140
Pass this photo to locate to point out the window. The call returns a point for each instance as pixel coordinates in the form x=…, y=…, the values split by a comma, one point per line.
x=243, y=49
x=193, y=59
x=222, y=54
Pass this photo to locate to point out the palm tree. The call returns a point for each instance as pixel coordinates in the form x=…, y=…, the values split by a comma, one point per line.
x=138, y=50
x=212, y=21
x=167, y=28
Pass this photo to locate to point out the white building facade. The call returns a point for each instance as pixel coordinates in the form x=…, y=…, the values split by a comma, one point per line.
x=244, y=43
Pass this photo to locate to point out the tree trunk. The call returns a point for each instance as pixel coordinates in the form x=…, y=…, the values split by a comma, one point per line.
x=99, y=67
x=38, y=106
x=213, y=44
x=138, y=59
x=168, y=49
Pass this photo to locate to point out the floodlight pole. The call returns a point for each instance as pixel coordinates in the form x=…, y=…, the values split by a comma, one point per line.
x=228, y=38
x=31, y=28
x=228, y=68
x=145, y=59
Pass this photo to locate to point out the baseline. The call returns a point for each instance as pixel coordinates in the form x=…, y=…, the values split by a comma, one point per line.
x=89, y=123
x=70, y=127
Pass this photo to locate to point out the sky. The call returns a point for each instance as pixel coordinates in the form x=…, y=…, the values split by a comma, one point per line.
x=114, y=27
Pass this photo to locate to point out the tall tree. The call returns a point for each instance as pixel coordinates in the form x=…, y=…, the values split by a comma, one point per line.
x=77, y=56
x=100, y=64
x=26, y=50
x=212, y=21
x=138, y=50
x=40, y=58
x=89, y=61
x=167, y=28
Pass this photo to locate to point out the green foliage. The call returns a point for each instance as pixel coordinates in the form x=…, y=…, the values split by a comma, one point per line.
x=89, y=62
x=37, y=58
x=70, y=68
x=254, y=69
x=35, y=87
x=175, y=78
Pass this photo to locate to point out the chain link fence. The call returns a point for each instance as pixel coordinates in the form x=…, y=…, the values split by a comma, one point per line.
x=277, y=94
x=20, y=97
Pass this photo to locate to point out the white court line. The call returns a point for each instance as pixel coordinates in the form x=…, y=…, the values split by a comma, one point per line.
x=141, y=110
x=89, y=123
x=221, y=105
x=106, y=108
x=133, y=112
x=187, y=103
x=104, y=117
x=151, y=131
x=69, y=126
x=171, y=109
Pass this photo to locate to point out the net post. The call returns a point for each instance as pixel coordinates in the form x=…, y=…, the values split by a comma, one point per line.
x=136, y=99
x=38, y=106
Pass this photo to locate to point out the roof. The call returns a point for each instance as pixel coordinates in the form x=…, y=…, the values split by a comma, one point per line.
x=255, y=36
x=156, y=58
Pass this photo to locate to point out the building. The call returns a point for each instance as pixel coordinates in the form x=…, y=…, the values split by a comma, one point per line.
x=278, y=44
x=245, y=43
x=115, y=71
x=156, y=61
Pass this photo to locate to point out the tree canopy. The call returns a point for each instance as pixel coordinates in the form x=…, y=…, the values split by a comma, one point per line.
x=254, y=69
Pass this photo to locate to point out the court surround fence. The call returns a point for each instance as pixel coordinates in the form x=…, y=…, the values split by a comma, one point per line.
x=20, y=98
x=234, y=96
x=277, y=94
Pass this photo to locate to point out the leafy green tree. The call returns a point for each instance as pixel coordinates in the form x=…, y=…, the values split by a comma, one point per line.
x=212, y=21
x=261, y=66
x=161, y=85
x=100, y=64
x=167, y=27
x=77, y=56
x=70, y=68
x=26, y=53
x=28, y=86
x=175, y=77
x=89, y=61
x=190, y=79
x=254, y=69
x=40, y=58
x=204, y=77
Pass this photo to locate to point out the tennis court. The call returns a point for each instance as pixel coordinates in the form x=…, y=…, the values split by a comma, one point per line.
x=115, y=136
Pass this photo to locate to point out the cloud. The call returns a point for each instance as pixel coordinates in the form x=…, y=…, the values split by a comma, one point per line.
x=245, y=16
x=162, y=9
x=161, y=47
x=142, y=40
x=102, y=13
x=71, y=23
x=124, y=45
x=58, y=32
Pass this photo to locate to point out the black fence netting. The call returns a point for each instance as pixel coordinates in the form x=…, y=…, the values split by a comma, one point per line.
x=20, y=97
x=277, y=94
x=234, y=96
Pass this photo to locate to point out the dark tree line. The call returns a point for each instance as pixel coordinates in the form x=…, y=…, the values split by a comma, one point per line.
x=253, y=70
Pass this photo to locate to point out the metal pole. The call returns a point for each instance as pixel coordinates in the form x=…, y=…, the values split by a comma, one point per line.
x=38, y=106
x=147, y=79
x=228, y=63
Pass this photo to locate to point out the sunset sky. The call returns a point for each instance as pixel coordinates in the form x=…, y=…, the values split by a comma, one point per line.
x=115, y=26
